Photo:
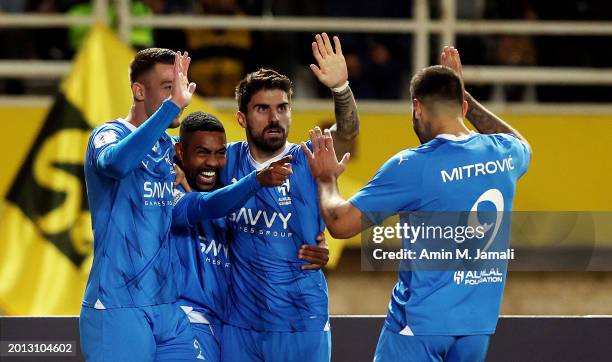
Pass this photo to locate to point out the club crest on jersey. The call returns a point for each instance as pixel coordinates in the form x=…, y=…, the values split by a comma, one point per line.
x=283, y=190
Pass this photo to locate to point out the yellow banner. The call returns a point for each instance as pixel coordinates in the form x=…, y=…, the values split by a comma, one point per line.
x=45, y=228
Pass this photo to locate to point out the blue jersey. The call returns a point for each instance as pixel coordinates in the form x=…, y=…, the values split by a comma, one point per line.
x=202, y=256
x=129, y=174
x=447, y=174
x=268, y=289
x=202, y=272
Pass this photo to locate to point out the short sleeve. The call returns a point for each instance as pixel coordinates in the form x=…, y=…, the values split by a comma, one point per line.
x=520, y=152
x=394, y=188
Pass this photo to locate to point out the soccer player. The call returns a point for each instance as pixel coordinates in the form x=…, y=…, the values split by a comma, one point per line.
x=276, y=310
x=128, y=312
x=202, y=246
x=431, y=317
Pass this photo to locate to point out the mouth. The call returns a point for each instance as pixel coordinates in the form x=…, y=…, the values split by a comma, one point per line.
x=207, y=177
x=275, y=131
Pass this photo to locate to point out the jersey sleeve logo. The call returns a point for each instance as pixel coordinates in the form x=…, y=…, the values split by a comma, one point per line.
x=178, y=195
x=105, y=138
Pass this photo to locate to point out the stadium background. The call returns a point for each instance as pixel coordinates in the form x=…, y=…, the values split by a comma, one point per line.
x=45, y=235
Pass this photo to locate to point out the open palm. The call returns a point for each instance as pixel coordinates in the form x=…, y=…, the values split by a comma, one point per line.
x=331, y=69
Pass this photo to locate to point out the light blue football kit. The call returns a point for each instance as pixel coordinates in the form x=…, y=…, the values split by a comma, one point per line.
x=444, y=309
x=128, y=310
x=275, y=310
x=202, y=257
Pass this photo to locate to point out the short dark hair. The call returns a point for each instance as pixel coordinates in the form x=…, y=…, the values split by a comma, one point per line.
x=267, y=79
x=199, y=121
x=437, y=83
x=146, y=59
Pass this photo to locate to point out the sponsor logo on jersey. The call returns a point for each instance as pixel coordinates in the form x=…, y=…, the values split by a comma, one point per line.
x=214, y=252
x=262, y=222
x=159, y=191
x=474, y=277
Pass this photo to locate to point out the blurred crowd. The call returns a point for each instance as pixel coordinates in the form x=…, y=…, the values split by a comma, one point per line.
x=379, y=64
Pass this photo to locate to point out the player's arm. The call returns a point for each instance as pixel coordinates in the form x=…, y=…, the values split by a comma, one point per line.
x=332, y=72
x=123, y=157
x=483, y=119
x=343, y=220
x=198, y=206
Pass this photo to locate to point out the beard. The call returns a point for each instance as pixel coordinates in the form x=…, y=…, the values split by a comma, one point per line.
x=270, y=144
x=420, y=130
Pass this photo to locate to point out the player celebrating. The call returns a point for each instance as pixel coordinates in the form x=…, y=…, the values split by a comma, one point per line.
x=202, y=246
x=431, y=318
x=128, y=312
x=276, y=310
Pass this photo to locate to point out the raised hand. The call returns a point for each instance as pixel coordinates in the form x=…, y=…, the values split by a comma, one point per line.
x=275, y=173
x=331, y=69
x=182, y=89
x=324, y=165
x=317, y=256
x=450, y=58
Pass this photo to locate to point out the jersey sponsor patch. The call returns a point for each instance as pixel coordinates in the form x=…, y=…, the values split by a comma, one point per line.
x=104, y=138
x=178, y=195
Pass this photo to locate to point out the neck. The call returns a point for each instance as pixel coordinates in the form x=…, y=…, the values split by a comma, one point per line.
x=137, y=115
x=454, y=127
x=261, y=156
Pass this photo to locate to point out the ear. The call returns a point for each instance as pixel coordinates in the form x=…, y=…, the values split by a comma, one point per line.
x=465, y=108
x=241, y=118
x=416, y=108
x=138, y=91
x=178, y=149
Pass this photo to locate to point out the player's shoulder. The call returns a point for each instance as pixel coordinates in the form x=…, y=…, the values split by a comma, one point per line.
x=237, y=145
x=237, y=148
x=506, y=142
x=501, y=138
x=406, y=158
x=107, y=133
x=114, y=125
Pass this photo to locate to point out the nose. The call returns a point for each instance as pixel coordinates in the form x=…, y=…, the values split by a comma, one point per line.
x=211, y=162
x=274, y=116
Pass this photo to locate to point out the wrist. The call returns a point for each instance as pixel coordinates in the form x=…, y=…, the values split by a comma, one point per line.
x=170, y=107
x=180, y=105
x=257, y=179
x=340, y=88
x=326, y=179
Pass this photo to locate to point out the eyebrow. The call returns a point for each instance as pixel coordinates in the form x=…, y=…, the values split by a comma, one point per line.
x=265, y=105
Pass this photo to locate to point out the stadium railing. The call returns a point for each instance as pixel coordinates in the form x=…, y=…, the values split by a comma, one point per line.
x=421, y=26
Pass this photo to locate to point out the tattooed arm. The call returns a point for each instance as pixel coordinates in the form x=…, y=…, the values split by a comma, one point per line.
x=486, y=122
x=481, y=118
x=332, y=72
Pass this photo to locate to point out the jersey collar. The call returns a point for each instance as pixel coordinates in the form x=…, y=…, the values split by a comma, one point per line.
x=451, y=137
x=130, y=126
x=258, y=166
